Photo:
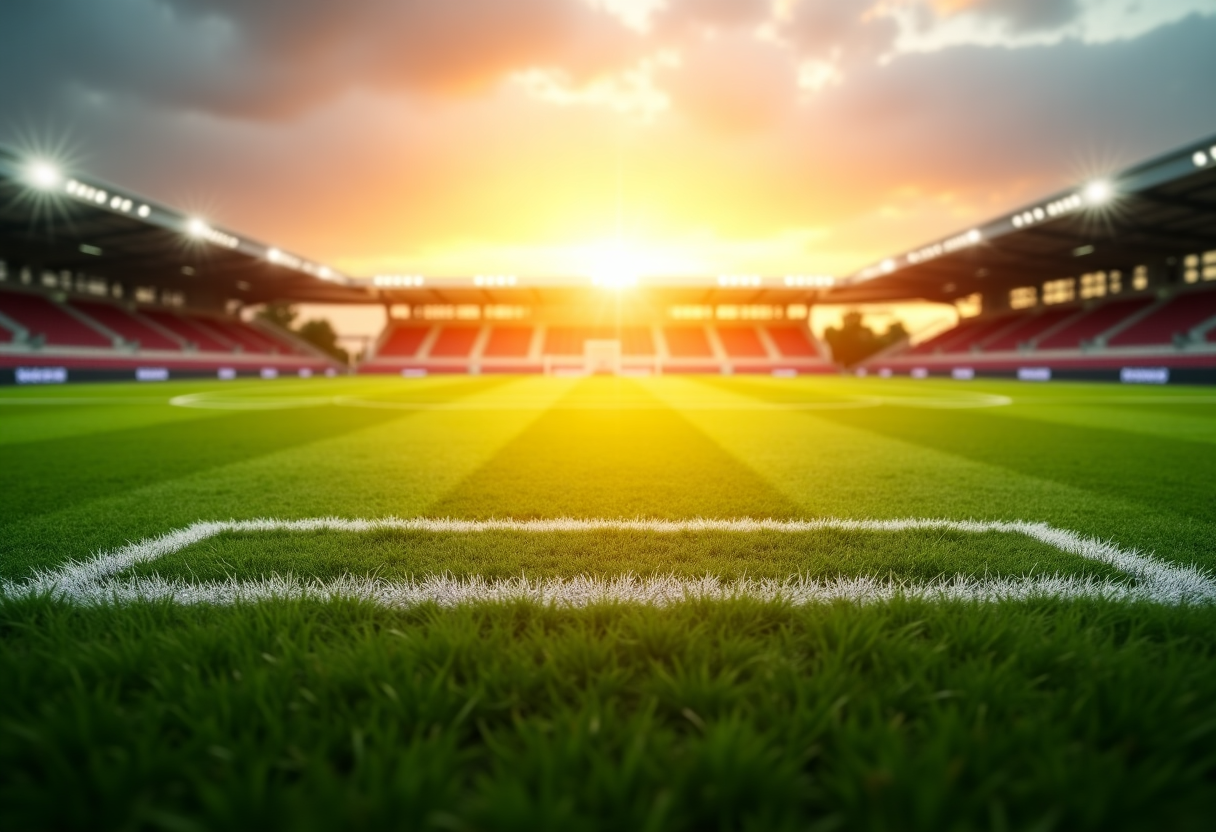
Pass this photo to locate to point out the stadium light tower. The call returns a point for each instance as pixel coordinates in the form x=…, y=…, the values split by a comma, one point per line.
x=43, y=174
x=1098, y=192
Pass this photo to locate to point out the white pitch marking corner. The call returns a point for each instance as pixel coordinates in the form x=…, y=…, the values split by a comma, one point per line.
x=98, y=581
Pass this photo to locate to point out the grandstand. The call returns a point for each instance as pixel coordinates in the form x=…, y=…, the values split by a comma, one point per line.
x=1113, y=279
x=1110, y=279
x=409, y=347
x=98, y=283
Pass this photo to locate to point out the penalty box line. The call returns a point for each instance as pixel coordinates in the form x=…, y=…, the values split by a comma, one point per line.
x=97, y=582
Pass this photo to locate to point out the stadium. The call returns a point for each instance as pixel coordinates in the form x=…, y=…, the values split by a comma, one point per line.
x=109, y=285
x=620, y=549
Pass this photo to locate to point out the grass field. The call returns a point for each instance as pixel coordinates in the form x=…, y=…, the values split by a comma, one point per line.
x=657, y=674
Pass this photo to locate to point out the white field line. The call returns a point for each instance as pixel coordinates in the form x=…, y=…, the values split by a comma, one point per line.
x=96, y=581
x=221, y=401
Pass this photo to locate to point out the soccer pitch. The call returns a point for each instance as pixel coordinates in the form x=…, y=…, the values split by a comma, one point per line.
x=608, y=603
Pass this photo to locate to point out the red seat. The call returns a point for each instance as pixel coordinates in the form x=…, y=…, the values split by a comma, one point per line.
x=741, y=342
x=183, y=328
x=508, y=342
x=250, y=339
x=1028, y=328
x=1176, y=317
x=944, y=340
x=454, y=342
x=403, y=341
x=687, y=342
x=42, y=316
x=126, y=324
x=793, y=341
x=1092, y=324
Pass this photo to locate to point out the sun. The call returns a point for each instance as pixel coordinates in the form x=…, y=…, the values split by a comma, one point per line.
x=614, y=264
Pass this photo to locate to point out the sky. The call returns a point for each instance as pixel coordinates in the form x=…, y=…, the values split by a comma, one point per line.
x=542, y=137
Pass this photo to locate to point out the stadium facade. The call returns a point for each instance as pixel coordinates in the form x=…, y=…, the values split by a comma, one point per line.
x=1112, y=279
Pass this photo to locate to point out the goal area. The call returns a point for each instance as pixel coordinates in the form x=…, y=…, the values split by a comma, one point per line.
x=602, y=356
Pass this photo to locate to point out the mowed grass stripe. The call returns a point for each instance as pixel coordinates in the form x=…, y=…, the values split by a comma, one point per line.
x=395, y=555
x=398, y=463
x=835, y=463
x=577, y=462
x=725, y=715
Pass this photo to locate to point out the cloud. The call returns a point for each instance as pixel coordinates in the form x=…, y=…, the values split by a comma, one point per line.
x=276, y=58
x=1018, y=15
x=838, y=32
x=734, y=84
x=349, y=130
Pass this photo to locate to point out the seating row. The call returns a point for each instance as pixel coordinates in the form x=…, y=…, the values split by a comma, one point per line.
x=407, y=340
x=1143, y=321
x=99, y=324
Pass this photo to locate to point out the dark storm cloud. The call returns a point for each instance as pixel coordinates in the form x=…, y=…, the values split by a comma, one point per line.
x=972, y=109
x=278, y=57
x=1028, y=15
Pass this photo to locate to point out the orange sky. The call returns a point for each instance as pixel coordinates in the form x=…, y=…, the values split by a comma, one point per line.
x=529, y=136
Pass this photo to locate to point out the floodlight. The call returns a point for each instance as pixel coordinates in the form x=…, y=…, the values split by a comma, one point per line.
x=1200, y=158
x=1098, y=192
x=196, y=227
x=43, y=174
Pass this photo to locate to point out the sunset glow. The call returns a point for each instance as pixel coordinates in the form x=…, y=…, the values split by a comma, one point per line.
x=785, y=137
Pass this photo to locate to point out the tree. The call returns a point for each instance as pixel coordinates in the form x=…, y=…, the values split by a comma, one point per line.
x=854, y=342
x=282, y=315
x=320, y=333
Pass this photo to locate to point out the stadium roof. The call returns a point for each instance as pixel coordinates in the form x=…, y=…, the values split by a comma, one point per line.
x=573, y=289
x=1154, y=211
x=59, y=220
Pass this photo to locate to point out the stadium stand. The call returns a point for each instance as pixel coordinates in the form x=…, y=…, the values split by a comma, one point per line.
x=508, y=348
x=244, y=336
x=1093, y=340
x=1025, y=329
x=45, y=319
x=508, y=342
x=793, y=341
x=1144, y=295
x=687, y=342
x=201, y=340
x=741, y=342
x=1172, y=321
x=100, y=339
x=1092, y=323
x=570, y=340
x=130, y=326
x=455, y=342
x=402, y=341
x=961, y=338
x=265, y=339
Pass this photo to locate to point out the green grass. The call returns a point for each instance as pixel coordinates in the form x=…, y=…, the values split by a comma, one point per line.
x=919, y=555
x=727, y=715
